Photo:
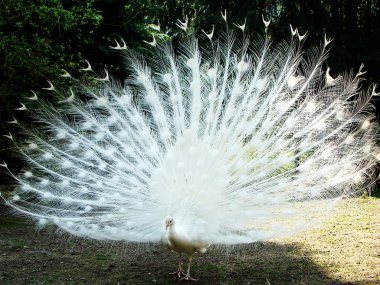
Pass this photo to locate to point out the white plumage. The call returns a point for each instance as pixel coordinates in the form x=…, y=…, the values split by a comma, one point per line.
x=179, y=241
x=237, y=141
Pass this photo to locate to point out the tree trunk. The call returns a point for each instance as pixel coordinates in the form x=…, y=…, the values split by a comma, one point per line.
x=368, y=17
x=334, y=9
x=351, y=15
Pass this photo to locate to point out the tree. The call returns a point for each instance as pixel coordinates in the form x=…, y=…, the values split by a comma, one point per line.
x=37, y=39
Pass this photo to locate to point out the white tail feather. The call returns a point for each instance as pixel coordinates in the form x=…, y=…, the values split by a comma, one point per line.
x=236, y=142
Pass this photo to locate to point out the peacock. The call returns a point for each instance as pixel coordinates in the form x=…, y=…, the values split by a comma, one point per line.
x=224, y=140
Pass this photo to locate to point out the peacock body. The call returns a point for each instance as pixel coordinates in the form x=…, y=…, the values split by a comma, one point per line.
x=237, y=141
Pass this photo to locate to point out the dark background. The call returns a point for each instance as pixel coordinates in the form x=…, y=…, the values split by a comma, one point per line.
x=38, y=38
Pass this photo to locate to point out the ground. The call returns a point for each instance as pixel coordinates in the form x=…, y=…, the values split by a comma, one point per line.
x=346, y=250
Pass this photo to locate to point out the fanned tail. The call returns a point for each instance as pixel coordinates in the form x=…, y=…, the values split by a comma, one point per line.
x=238, y=141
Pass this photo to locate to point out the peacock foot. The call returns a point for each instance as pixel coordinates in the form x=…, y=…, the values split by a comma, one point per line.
x=188, y=278
x=179, y=273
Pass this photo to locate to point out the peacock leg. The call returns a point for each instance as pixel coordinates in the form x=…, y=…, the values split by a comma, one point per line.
x=187, y=276
x=179, y=272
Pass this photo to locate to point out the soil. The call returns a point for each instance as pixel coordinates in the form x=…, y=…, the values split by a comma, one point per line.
x=345, y=251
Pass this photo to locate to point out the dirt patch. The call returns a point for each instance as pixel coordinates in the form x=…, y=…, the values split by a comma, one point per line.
x=345, y=251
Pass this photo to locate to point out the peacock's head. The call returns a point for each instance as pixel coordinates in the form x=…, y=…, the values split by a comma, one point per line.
x=169, y=222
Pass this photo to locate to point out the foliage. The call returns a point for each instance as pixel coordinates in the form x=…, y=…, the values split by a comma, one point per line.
x=38, y=38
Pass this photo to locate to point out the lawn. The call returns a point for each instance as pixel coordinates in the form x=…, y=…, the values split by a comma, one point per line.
x=346, y=250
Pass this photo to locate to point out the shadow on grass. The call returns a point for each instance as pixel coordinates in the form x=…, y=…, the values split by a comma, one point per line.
x=28, y=256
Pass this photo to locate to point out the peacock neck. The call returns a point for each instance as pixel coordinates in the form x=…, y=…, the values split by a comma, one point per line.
x=171, y=233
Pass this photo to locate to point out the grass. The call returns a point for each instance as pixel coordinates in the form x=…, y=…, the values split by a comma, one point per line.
x=346, y=250
x=348, y=246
